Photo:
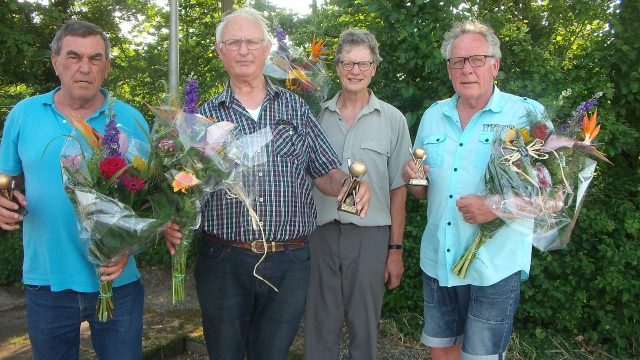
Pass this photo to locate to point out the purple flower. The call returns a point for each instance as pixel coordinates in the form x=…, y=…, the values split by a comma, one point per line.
x=280, y=35
x=191, y=97
x=111, y=140
x=166, y=145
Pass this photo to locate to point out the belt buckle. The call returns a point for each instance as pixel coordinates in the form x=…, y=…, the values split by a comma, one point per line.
x=263, y=249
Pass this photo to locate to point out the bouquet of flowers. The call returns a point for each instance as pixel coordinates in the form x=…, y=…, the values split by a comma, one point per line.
x=106, y=179
x=305, y=75
x=194, y=155
x=537, y=179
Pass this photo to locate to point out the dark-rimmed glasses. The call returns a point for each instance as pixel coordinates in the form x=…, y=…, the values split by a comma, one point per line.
x=235, y=44
x=474, y=60
x=362, y=65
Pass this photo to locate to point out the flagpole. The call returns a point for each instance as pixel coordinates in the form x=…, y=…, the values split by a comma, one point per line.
x=173, y=49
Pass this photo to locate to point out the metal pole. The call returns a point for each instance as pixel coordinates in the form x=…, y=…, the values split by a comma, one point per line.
x=174, y=58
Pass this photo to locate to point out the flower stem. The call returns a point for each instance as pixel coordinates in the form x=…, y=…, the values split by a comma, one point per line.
x=104, y=307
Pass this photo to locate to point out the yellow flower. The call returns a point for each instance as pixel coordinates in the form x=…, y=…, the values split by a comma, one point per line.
x=139, y=163
x=298, y=74
x=526, y=136
x=589, y=128
x=184, y=181
x=510, y=136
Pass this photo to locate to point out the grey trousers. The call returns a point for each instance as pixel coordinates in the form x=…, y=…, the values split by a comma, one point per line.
x=346, y=285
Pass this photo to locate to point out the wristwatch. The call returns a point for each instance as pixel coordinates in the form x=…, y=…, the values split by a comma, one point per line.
x=395, y=246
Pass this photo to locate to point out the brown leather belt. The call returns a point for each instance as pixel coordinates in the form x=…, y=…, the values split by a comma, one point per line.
x=258, y=246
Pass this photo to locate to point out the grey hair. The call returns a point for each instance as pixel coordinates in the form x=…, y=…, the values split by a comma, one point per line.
x=357, y=37
x=246, y=12
x=471, y=27
x=81, y=29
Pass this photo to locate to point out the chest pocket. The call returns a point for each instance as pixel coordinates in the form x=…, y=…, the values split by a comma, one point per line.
x=286, y=139
x=483, y=149
x=434, y=146
x=378, y=147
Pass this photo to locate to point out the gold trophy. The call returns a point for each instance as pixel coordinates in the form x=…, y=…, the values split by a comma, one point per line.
x=7, y=186
x=418, y=156
x=357, y=169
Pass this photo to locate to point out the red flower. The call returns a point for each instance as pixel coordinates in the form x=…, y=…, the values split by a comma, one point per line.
x=539, y=130
x=133, y=183
x=111, y=165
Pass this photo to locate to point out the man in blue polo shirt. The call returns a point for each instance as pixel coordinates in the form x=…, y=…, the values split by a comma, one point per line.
x=61, y=285
x=468, y=318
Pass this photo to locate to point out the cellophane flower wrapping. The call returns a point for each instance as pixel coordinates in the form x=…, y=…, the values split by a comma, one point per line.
x=106, y=180
x=304, y=74
x=195, y=155
x=536, y=182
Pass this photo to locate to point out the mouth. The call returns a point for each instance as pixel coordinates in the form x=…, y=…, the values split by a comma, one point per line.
x=83, y=82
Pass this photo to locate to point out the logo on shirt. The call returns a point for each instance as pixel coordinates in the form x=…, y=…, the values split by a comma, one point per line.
x=499, y=128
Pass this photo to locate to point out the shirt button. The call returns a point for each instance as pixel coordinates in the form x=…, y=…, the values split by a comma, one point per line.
x=64, y=121
x=259, y=150
x=261, y=223
x=261, y=199
x=450, y=196
x=455, y=169
x=260, y=173
x=449, y=223
x=448, y=250
x=460, y=144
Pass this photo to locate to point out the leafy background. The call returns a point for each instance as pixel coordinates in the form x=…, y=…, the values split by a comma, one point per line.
x=585, y=294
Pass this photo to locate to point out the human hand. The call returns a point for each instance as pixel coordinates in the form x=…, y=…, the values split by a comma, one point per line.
x=474, y=209
x=172, y=236
x=9, y=211
x=410, y=170
x=363, y=196
x=111, y=270
x=394, y=268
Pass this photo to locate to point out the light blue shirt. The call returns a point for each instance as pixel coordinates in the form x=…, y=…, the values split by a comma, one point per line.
x=457, y=161
x=54, y=255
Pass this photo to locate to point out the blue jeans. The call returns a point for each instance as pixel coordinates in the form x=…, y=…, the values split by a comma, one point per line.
x=481, y=317
x=241, y=315
x=54, y=317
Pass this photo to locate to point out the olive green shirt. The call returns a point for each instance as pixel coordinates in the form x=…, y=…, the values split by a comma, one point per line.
x=379, y=136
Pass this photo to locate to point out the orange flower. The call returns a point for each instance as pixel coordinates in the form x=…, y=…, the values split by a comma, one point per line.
x=589, y=128
x=89, y=134
x=317, y=50
x=184, y=181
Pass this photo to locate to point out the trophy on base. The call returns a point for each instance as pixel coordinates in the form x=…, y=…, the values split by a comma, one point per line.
x=7, y=186
x=418, y=156
x=357, y=169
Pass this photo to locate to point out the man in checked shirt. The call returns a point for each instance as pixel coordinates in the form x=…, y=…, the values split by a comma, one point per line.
x=241, y=314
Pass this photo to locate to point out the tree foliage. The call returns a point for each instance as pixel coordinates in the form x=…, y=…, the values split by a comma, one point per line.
x=551, y=47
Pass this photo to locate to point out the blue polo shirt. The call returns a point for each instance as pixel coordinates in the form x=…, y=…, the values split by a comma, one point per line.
x=54, y=255
x=457, y=160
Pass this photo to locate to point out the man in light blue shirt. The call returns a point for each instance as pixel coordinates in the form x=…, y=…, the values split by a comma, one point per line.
x=468, y=318
x=61, y=284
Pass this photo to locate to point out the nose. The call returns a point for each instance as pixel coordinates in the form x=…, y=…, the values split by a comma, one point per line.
x=244, y=48
x=85, y=65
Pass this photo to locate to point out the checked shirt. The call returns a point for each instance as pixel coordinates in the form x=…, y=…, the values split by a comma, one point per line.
x=279, y=187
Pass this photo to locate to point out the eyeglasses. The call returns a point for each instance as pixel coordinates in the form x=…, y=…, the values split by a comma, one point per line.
x=236, y=44
x=474, y=60
x=362, y=65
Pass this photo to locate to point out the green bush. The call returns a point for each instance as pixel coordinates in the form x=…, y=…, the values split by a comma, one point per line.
x=10, y=257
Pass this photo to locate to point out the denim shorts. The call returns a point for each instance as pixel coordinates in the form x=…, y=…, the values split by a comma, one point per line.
x=479, y=317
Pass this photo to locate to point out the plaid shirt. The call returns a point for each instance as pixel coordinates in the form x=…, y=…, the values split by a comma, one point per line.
x=279, y=188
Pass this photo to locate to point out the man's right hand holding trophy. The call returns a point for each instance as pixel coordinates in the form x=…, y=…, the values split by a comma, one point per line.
x=415, y=171
x=12, y=203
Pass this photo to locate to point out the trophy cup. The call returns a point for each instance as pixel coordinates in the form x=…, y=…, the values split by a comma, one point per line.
x=7, y=185
x=357, y=169
x=418, y=156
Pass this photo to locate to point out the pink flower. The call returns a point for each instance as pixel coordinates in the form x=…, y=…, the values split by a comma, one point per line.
x=133, y=183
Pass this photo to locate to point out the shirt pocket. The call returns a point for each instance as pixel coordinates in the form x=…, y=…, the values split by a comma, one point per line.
x=483, y=150
x=434, y=147
x=285, y=139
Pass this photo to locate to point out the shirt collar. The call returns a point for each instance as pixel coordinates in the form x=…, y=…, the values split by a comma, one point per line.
x=495, y=103
x=373, y=104
x=49, y=100
x=227, y=94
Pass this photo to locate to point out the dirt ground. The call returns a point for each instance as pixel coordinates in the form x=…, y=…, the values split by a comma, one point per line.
x=170, y=331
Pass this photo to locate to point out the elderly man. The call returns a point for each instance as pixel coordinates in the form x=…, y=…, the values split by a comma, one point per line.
x=61, y=285
x=241, y=314
x=352, y=258
x=472, y=317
